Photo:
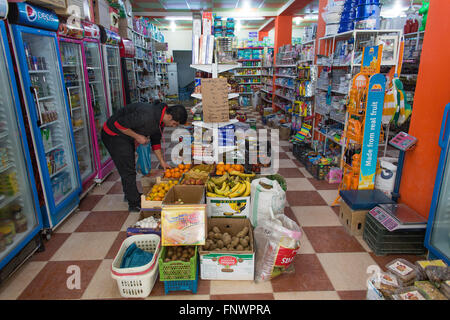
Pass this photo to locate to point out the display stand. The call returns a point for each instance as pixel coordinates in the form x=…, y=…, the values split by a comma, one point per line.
x=330, y=60
x=215, y=69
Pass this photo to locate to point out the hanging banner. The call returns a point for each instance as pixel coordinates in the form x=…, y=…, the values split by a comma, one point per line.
x=372, y=128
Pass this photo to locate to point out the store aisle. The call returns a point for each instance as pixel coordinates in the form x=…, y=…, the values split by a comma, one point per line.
x=331, y=264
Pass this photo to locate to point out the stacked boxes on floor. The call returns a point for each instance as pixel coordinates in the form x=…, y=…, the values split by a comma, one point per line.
x=355, y=205
x=183, y=229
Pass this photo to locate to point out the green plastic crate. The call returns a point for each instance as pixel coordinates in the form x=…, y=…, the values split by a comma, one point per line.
x=177, y=270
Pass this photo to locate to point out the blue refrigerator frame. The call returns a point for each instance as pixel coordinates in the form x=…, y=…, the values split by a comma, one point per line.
x=22, y=136
x=55, y=213
x=444, y=144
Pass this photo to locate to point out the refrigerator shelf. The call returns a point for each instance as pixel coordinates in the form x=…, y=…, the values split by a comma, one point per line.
x=46, y=98
x=48, y=124
x=39, y=71
x=73, y=87
x=77, y=108
x=58, y=171
x=9, y=166
x=76, y=129
x=68, y=65
x=54, y=148
x=9, y=199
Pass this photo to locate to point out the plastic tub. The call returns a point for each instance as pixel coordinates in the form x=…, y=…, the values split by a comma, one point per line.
x=350, y=4
x=366, y=11
x=137, y=282
x=367, y=2
x=345, y=26
x=348, y=15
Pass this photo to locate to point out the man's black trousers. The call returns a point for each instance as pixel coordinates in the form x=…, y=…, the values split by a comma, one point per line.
x=122, y=152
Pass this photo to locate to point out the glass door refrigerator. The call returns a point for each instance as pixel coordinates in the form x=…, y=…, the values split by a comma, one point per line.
x=437, y=237
x=113, y=71
x=20, y=217
x=130, y=89
x=33, y=32
x=75, y=78
x=97, y=97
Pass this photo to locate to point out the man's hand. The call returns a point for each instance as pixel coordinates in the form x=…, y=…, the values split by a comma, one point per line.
x=164, y=165
x=142, y=139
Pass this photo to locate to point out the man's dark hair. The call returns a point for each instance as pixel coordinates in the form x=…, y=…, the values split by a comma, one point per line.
x=178, y=113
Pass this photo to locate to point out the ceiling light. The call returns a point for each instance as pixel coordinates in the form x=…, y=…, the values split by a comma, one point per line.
x=173, y=26
x=238, y=26
x=246, y=18
x=298, y=20
x=246, y=5
x=397, y=11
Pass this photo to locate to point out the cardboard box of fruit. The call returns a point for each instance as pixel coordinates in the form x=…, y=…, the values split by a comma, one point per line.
x=154, y=190
x=142, y=228
x=198, y=175
x=176, y=173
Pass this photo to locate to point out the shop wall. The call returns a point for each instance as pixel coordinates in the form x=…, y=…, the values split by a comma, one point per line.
x=178, y=40
x=431, y=96
x=186, y=74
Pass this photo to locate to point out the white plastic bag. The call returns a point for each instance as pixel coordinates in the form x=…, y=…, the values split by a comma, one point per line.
x=277, y=243
x=385, y=179
x=262, y=200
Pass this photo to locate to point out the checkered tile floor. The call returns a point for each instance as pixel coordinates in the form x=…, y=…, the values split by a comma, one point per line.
x=330, y=265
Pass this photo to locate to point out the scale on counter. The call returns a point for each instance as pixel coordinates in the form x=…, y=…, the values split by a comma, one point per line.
x=403, y=141
x=398, y=217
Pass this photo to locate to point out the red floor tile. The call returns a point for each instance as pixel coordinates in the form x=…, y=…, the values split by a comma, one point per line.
x=251, y=296
x=103, y=221
x=304, y=198
x=332, y=239
x=323, y=184
x=116, y=245
x=90, y=201
x=283, y=155
x=352, y=295
x=290, y=214
x=308, y=276
x=117, y=188
x=52, y=281
x=290, y=173
x=336, y=210
x=114, y=176
x=51, y=246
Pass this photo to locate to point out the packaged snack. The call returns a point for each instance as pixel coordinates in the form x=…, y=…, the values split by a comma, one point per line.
x=385, y=283
x=437, y=274
x=429, y=290
x=404, y=270
x=445, y=288
x=422, y=264
x=408, y=293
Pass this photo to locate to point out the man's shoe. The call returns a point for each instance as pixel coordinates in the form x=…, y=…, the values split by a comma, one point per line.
x=134, y=208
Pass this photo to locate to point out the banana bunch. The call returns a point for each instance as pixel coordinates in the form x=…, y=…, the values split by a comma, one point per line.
x=230, y=185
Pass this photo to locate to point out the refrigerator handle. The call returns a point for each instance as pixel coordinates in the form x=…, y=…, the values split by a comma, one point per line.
x=36, y=101
x=70, y=102
x=444, y=133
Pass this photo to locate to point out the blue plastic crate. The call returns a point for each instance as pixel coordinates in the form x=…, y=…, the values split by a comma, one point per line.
x=182, y=285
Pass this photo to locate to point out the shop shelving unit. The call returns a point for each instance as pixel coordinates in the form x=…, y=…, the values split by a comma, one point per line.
x=248, y=74
x=327, y=46
x=215, y=69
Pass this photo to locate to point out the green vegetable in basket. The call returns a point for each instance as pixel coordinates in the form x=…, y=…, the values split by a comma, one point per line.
x=279, y=179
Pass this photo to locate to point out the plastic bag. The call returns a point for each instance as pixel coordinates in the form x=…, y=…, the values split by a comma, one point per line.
x=144, y=162
x=265, y=197
x=277, y=244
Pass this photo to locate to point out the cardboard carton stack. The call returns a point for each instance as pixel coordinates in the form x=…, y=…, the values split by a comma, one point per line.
x=202, y=39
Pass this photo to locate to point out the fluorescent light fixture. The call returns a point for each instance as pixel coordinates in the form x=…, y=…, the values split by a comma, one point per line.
x=397, y=11
x=246, y=5
x=173, y=26
x=312, y=17
x=238, y=26
x=179, y=18
x=298, y=20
